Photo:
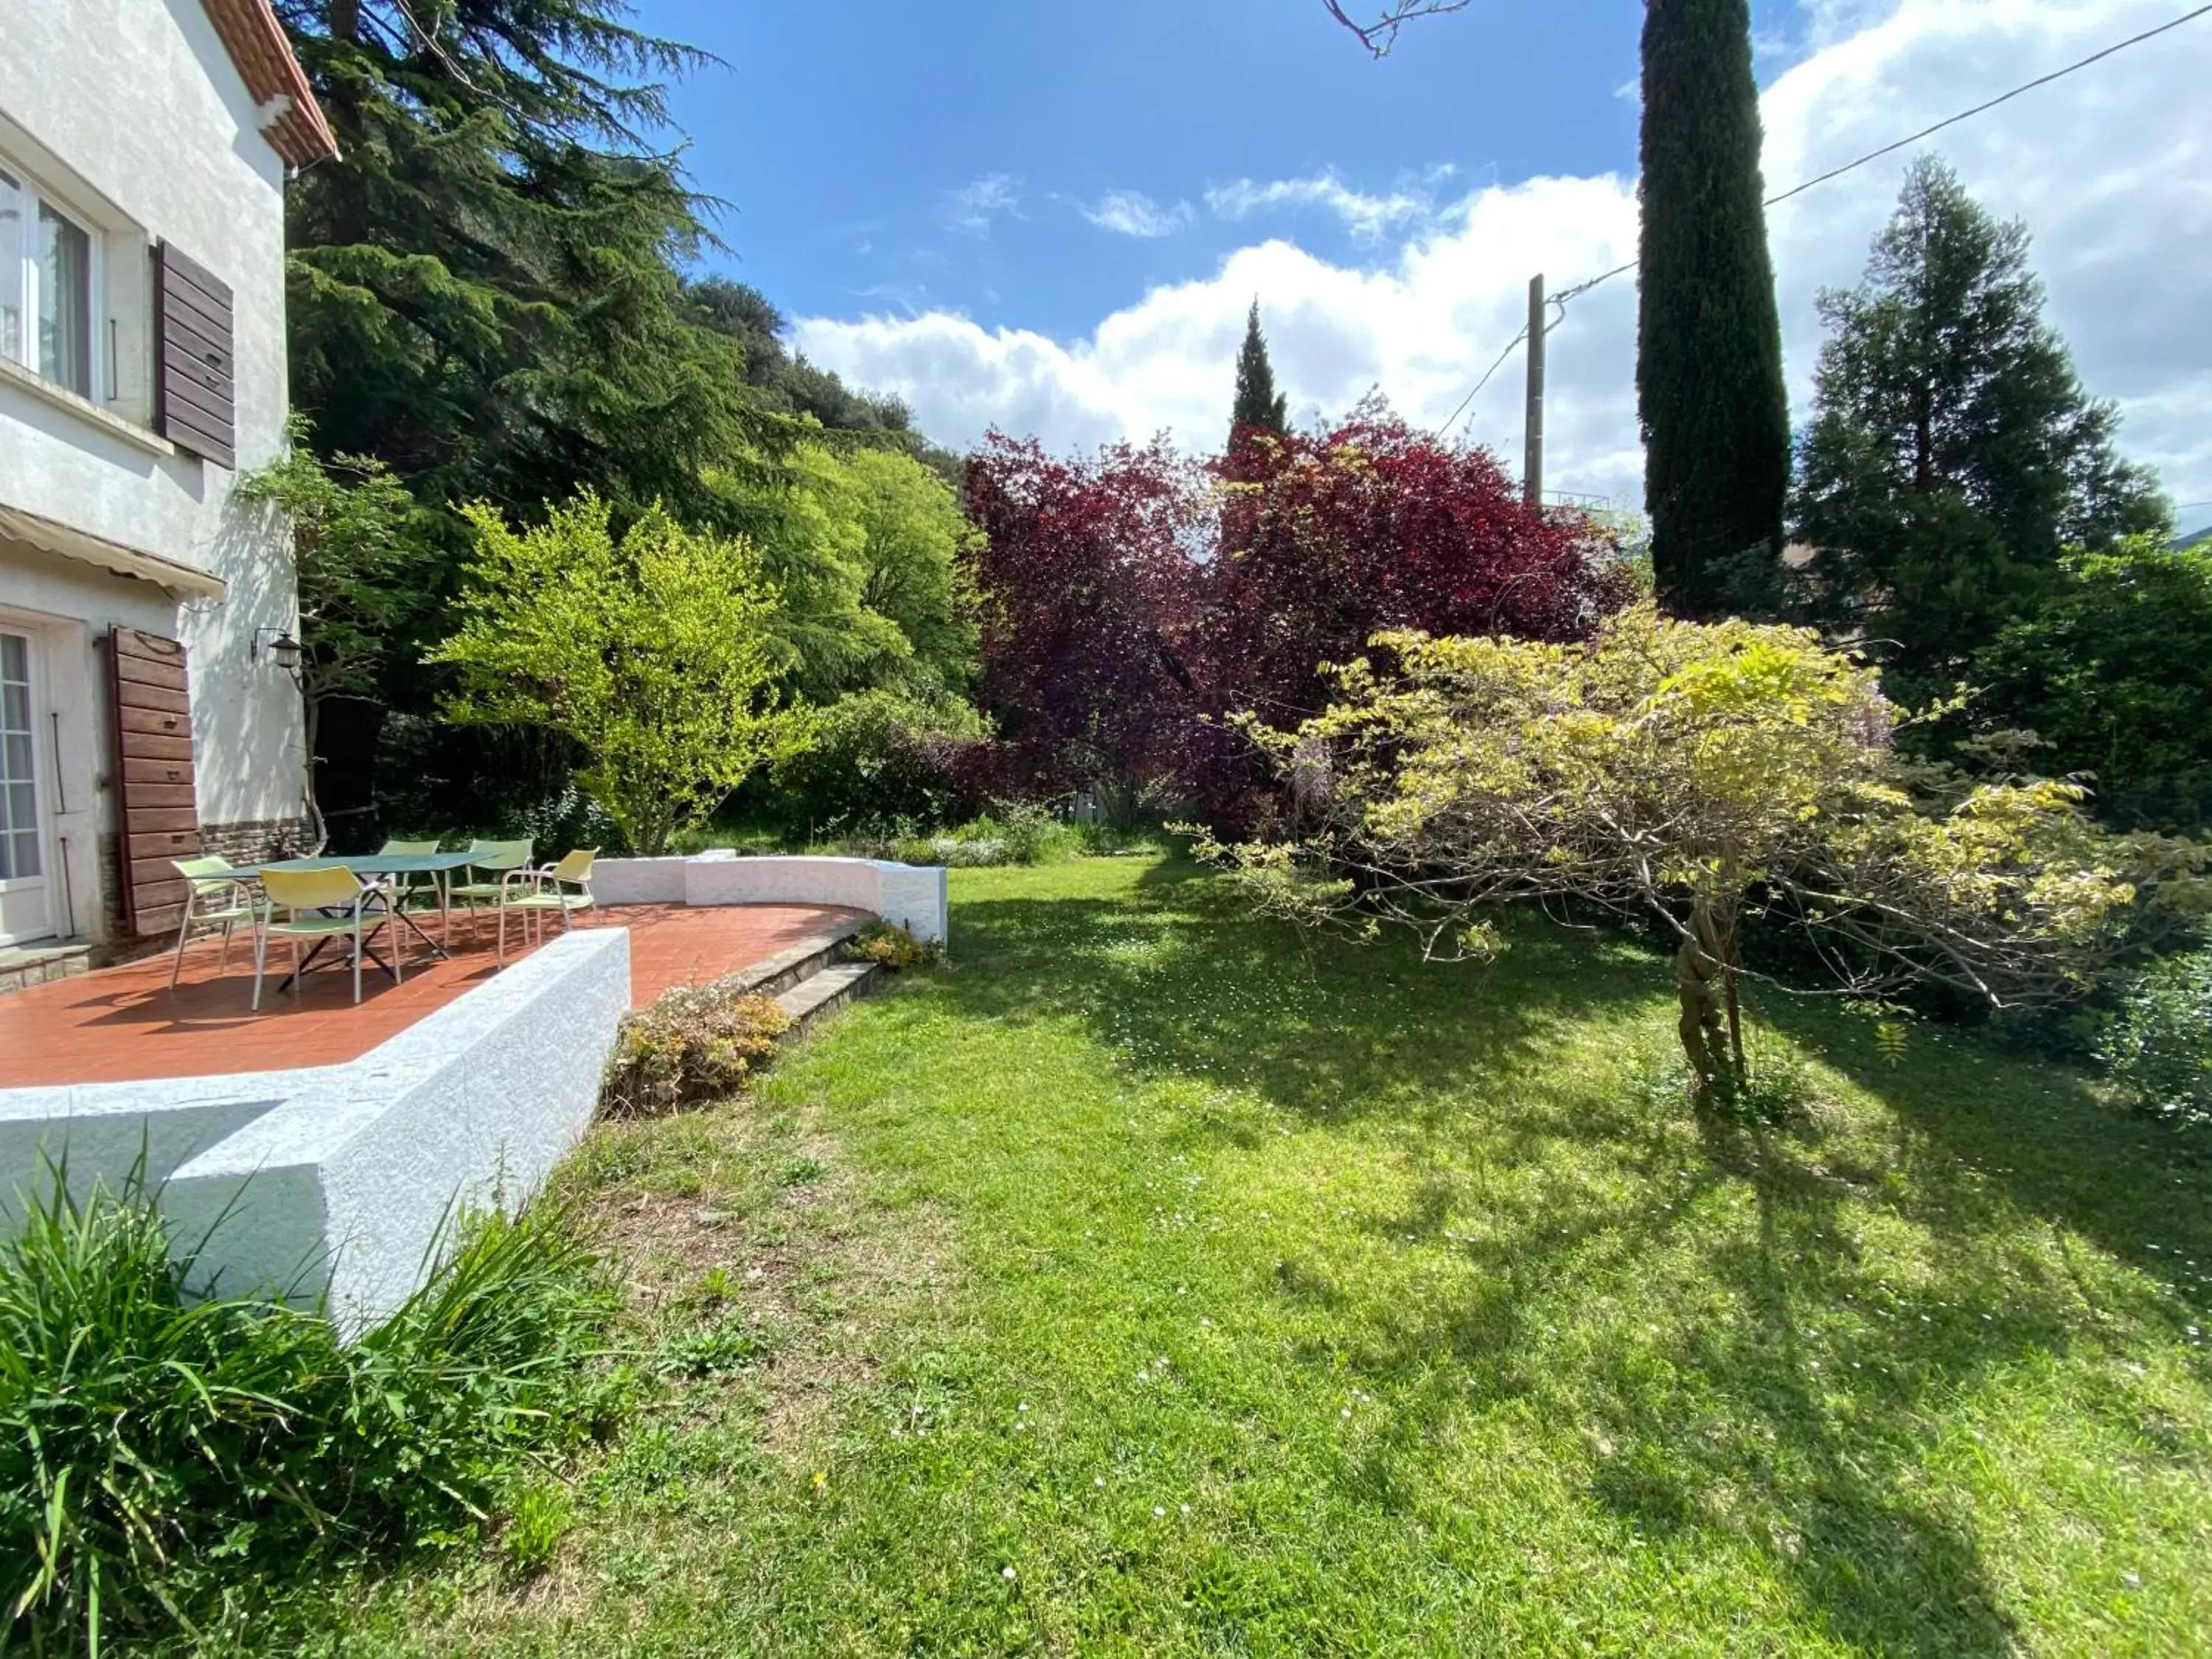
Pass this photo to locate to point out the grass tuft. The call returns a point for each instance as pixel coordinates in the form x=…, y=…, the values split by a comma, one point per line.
x=159, y=1453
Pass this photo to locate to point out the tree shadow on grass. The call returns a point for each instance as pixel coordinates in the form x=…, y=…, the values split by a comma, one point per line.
x=1987, y=1136
x=1182, y=980
x=1734, y=1423
x=1781, y=1401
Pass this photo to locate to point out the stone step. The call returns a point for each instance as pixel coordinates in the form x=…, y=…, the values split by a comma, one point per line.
x=822, y=993
x=796, y=964
x=24, y=966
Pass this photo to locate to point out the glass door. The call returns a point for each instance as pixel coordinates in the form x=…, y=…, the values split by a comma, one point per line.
x=26, y=912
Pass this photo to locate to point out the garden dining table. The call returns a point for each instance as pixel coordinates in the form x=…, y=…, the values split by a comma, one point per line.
x=439, y=866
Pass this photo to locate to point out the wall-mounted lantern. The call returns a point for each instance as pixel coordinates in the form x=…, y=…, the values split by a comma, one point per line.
x=279, y=647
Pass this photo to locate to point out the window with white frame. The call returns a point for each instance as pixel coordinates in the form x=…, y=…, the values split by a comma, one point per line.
x=49, y=285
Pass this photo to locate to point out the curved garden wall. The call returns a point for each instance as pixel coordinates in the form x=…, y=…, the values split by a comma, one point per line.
x=911, y=895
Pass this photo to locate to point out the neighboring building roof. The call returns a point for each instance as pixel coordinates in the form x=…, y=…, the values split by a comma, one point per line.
x=293, y=122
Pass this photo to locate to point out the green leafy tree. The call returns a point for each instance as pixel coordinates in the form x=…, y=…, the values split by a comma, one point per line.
x=883, y=760
x=867, y=548
x=1710, y=394
x=652, y=651
x=1259, y=407
x=1691, y=775
x=356, y=548
x=2113, y=671
x=919, y=554
x=1953, y=453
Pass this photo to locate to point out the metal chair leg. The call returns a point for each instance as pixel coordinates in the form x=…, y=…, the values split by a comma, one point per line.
x=223, y=960
x=184, y=932
x=260, y=962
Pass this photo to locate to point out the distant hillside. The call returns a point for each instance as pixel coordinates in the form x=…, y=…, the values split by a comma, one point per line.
x=2201, y=538
x=796, y=386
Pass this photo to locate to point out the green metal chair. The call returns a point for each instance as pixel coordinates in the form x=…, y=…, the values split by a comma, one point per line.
x=309, y=897
x=546, y=888
x=495, y=859
x=218, y=896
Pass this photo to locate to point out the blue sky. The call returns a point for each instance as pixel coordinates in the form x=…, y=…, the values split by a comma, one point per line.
x=845, y=131
x=1048, y=217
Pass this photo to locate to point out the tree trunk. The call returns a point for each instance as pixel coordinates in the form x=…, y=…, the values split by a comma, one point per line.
x=1706, y=970
x=311, y=721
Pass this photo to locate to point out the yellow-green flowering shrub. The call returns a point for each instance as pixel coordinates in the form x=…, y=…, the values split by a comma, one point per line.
x=888, y=945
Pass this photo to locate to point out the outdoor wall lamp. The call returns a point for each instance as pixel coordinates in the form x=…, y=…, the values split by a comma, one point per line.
x=278, y=644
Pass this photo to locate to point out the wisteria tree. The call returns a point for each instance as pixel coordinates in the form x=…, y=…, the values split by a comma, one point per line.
x=1692, y=774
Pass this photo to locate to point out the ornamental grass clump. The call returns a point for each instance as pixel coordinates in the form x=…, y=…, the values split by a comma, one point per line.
x=161, y=1454
x=695, y=1042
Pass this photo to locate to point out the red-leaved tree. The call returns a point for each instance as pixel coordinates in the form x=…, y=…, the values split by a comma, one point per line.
x=1326, y=540
x=1132, y=601
x=1089, y=578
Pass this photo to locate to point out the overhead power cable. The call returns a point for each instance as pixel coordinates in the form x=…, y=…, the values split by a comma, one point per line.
x=2002, y=98
x=1464, y=403
x=1561, y=298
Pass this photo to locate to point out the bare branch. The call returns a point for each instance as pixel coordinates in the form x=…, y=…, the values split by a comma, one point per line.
x=1379, y=36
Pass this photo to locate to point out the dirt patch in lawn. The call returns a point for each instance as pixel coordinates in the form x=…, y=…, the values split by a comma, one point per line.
x=761, y=1275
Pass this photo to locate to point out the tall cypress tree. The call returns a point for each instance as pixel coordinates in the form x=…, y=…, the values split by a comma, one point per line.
x=1710, y=394
x=1258, y=404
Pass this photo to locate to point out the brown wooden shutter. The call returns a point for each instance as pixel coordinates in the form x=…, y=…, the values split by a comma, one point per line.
x=156, y=806
x=195, y=388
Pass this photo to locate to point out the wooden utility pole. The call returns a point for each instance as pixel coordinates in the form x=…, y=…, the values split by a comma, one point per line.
x=1533, y=450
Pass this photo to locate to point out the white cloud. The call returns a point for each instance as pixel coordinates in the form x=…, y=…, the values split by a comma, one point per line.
x=973, y=206
x=2111, y=169
x=1132, y=213
x=1367, y=217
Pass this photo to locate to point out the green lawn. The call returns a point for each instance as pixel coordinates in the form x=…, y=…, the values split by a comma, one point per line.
x=1152, y=1282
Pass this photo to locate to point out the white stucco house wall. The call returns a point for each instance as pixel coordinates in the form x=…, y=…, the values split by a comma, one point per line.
x=144, y=150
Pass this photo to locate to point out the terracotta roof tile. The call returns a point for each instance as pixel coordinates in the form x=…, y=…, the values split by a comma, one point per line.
x=256, y=42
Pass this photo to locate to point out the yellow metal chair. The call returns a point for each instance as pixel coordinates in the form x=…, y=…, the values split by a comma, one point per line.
x=218, y=897
x=309, y=897
x=409, y=892
x=497, y=859
x=546, y=888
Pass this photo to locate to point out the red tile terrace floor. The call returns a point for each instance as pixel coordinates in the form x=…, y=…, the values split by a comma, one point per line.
x=122, y=1024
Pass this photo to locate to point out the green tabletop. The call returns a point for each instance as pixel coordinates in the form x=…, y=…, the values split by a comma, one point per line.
x=366, y=864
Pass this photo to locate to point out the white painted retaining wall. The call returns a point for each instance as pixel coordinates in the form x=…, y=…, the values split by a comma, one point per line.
x=343, y=1179
x=912, y=895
